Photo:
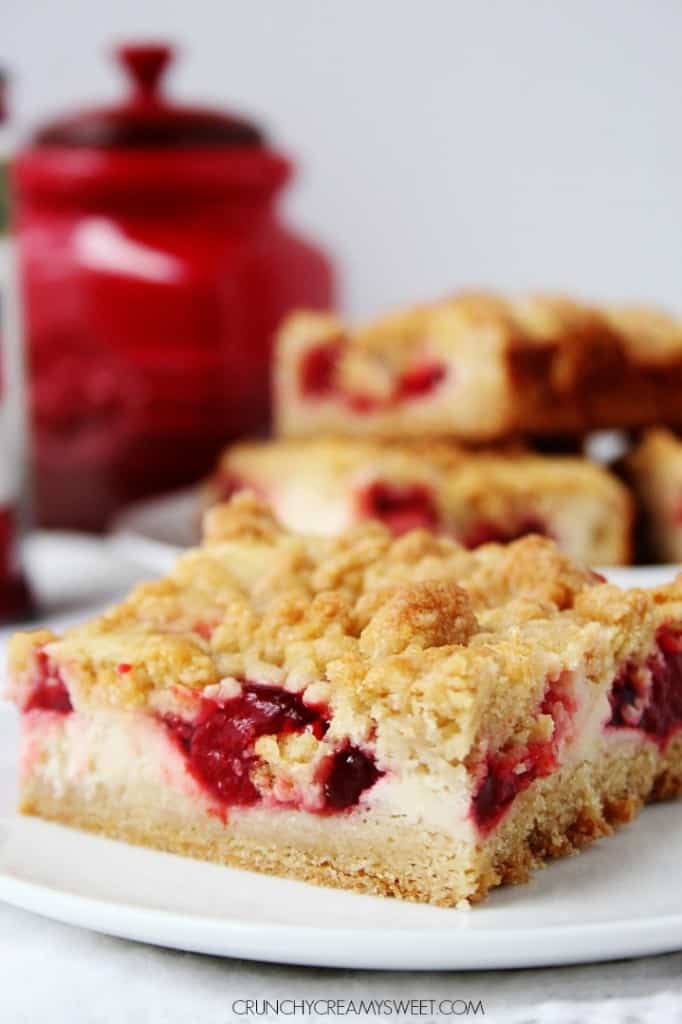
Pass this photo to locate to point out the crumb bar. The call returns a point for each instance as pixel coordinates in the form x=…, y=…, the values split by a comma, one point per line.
x=397, y=716
x=478, y=368
x=324, y=486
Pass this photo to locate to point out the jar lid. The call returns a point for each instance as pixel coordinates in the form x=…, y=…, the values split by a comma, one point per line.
x=147, y=151
x=146, y=119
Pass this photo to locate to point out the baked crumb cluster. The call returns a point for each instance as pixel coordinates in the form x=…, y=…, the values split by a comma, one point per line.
x=538, y=363
x=415, y=631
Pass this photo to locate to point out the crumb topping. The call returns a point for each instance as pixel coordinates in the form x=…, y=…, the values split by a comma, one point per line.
x=646, y=336
x=416, y=633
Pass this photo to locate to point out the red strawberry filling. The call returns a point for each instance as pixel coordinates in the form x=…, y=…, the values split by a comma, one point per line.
x=219, y=746
x=49, y=692
x=350, y=771
x=420, y=380
x=401, y=507
x=507, y=772
x=318, y=368
x=485, y=531
x=363, y=403
x=318, y=371
x=649, y=697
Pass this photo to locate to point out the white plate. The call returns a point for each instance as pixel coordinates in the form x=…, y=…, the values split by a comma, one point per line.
x=154, y=532
x=620, y=898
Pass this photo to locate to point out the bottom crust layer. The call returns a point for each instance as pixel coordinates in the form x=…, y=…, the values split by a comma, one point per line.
x=375, y=853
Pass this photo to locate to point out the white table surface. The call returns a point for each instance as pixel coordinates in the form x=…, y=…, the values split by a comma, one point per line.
x=63, y=975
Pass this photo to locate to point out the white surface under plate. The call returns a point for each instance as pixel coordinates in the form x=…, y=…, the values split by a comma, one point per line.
x=620, y=898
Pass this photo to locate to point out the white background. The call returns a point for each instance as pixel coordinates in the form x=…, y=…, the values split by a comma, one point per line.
x=444, y=142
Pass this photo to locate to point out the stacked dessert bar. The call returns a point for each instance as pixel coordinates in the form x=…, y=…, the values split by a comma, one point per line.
x=324, y=486
x=480, y=368
x=430, y=417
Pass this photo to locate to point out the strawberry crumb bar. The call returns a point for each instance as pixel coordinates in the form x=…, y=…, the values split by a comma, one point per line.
x=655, y=470
x=394, y=716
x=479, y=367
x=324, y=486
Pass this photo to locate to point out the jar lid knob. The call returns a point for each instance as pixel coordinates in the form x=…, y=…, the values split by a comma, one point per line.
x=144, y=65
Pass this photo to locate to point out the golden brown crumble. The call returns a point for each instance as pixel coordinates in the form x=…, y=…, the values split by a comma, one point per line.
x=417, y=628
x=647, y=336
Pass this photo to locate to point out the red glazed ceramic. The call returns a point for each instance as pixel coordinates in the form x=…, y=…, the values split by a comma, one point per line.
x=154, y=272
x=15, y=597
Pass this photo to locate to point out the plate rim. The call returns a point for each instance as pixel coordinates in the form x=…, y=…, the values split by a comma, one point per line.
x=415, y=948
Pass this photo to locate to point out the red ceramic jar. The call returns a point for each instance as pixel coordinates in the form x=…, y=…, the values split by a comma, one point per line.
x=154, y=272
